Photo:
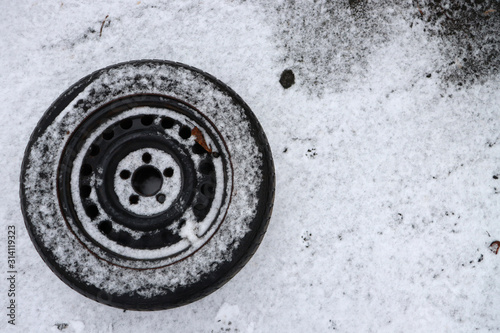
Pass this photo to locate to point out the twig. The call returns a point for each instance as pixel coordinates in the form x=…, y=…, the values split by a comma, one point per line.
x=102, y=25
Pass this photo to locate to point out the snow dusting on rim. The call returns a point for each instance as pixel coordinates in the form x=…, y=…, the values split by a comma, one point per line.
x=42, y=209
x=195, y=234
x=148, y=205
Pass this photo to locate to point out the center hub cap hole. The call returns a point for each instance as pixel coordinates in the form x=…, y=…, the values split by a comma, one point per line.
x=147, y=180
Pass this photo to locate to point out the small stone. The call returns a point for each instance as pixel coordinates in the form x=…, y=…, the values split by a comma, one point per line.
x=287, y=78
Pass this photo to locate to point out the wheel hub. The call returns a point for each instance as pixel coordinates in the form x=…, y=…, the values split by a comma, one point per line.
x=135, y=182
x=147, y=180
x=140, y=185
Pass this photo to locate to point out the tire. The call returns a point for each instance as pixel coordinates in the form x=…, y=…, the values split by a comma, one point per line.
x=147, y=185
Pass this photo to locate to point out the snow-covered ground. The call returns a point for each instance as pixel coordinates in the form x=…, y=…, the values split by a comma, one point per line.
x=386, y=151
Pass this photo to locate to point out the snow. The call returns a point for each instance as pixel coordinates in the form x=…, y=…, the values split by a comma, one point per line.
x=385, y=198
x=170, y=187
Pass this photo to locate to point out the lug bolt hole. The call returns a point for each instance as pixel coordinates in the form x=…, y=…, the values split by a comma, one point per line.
x=146, y=158
x=161, y=198
x=125, y=174
x=134, y=199
x=168, y=172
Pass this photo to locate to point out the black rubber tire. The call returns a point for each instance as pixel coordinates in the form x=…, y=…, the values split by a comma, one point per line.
x=143, y=279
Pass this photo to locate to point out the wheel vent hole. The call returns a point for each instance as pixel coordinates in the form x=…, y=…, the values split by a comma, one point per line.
x=85, y=191
x=208, y=190
x=124, y=238
x=105, y=227
x=86, y=170
x=198, y=149
x=206, y=168
x=147, y=120
x=185, y=132
x=94, y=150
x=108, y=135
x=166, y=236
x=126, y=123
x=167, y=123
x=92, y=211
x=199, y=207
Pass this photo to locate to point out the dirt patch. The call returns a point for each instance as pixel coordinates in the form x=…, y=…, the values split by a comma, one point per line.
x=326, y=42
x=470, y=36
